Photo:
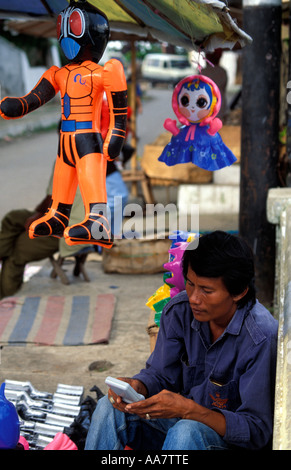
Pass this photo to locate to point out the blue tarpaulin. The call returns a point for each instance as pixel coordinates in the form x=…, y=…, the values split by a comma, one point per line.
x=33, y=7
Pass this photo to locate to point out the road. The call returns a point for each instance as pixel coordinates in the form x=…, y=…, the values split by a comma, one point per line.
x=156, y=108
x=26, y=162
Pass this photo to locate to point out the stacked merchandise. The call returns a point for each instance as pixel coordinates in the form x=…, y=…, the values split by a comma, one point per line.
x=41, y=415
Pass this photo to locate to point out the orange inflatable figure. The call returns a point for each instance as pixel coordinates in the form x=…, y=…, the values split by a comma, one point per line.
x=83, y=33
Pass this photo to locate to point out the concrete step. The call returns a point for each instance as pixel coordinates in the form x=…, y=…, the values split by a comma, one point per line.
x=220, y=197
x=211, y=198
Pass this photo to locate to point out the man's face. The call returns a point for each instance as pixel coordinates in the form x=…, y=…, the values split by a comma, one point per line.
x=209, y=299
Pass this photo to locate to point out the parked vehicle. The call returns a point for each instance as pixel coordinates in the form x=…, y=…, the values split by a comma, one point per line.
x=166, y=68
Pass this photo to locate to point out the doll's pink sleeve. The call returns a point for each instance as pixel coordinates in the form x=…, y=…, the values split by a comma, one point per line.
x=171, y=126
x=214, y=126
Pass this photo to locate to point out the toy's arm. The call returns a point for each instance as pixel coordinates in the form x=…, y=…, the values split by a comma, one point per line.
x=214, y=126
x=44, y=91
x=116, y=91
x=171, y=126
x=104, y=118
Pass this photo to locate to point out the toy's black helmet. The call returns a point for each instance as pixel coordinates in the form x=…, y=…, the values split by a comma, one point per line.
x=82, y=31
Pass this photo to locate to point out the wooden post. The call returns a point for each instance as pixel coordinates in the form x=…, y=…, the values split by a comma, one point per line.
x=260, y=130
x=288, y=141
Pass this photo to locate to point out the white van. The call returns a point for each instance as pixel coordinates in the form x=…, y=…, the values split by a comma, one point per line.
x=166, y=68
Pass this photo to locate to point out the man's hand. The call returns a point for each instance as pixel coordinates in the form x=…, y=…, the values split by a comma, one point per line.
x=117, y=400
x=165, y=404
x=168, y=405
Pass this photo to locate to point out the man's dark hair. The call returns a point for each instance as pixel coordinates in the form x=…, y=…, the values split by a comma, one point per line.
x=220, y=254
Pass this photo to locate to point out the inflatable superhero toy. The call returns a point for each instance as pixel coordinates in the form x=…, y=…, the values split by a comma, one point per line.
x=83, y=33
x=196, y=102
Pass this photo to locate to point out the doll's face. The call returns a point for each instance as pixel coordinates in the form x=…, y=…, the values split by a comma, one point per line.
x=194, y=103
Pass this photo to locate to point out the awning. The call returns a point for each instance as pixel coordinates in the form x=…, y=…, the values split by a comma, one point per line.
x=193, y=24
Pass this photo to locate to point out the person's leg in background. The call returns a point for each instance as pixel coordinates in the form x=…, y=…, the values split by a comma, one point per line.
x=23, y=250
x=12, y=225
x=117, y=197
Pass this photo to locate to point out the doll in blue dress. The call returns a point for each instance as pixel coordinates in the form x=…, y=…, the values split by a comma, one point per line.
x=196, y=102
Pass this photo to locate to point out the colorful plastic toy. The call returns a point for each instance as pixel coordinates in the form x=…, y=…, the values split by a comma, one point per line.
x=177, y=280
x=83, y=33
x=196, y=102
x=163, y=292
x=9, y=422
x=61, y=442
x=173, y=279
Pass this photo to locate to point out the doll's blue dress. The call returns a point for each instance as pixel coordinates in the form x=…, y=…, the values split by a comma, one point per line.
x=194, y=145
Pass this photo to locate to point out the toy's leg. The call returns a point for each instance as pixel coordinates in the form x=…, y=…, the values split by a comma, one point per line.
x=95, y=228
x=56, y=219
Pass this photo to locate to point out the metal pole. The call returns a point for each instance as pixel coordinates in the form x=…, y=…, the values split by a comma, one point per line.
x=260, y=130
x=288, y=140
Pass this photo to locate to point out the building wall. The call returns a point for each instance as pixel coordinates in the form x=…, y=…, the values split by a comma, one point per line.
x=11, y=78
x=17, y=77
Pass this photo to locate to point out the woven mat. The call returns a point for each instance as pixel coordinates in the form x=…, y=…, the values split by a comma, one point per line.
x=56, y=320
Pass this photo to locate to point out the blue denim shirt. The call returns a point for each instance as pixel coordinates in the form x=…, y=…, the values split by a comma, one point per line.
x=235, y=375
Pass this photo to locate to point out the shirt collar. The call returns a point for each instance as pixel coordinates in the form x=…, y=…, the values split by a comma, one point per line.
x=234, y=326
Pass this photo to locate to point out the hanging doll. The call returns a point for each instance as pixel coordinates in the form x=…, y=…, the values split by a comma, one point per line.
x=196, y=101
x=83, y=33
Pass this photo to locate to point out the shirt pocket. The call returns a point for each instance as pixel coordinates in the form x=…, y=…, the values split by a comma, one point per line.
x=192, y=373
x=220, y=395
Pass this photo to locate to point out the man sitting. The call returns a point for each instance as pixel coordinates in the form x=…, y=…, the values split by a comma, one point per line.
x=209, y=384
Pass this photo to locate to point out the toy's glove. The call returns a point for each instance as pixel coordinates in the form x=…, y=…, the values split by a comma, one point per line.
x=11, y=108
